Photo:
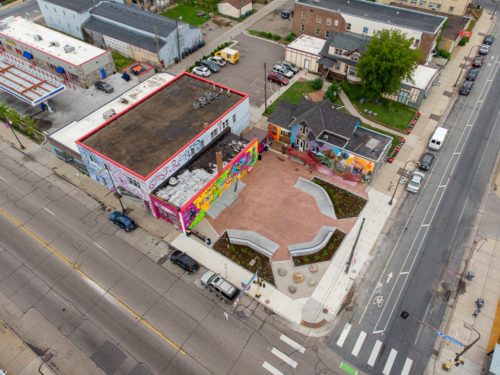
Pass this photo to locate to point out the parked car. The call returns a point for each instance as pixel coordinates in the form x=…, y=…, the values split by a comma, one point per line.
x=488, y=40
x=294, y=68
x=184, y=261
x=104, y=86
x=123, y=221
x=278, y=78
x=202, y=71
x=285, y=14
x=282, y=70
x=218, y=60
x=222, y=288
x=484, y=49
x=426, y=161
x=214, y=67
x=415, y=182
x=477, y=62
x=472, y=74
x=466, y=87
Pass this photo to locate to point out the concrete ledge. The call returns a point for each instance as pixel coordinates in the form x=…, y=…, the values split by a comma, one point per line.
x=319, y=194
x=253, y=240
x=311, y=247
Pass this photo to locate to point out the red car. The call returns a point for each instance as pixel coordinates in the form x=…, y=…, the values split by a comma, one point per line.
x=278, y=78
x=477, y=62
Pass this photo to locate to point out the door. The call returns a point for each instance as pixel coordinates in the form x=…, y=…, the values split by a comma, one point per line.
x=103, y=73
x=403, y=97
x=306, y=64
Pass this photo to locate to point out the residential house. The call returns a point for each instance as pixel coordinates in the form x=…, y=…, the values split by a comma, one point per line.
x=234, y=8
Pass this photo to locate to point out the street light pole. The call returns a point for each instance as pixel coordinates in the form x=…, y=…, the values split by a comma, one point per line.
x=463, y=65
x=496, y=6
x=397, y=182
x=265, y=87
x=9, y=125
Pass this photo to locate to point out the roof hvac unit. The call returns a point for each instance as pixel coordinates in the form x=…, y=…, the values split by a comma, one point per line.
x=196, y=105
x=208, y=95
x=108, y=114
x=54, y=44
x=202, y=100
x=37, y=37
x=68, y=48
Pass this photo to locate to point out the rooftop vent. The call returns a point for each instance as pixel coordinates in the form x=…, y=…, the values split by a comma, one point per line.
x=108, y=114
x=172, y=181
x=196, y=105
x=202, y=100
x=123, y=100
x=68, y=48
x=37, y=37
x=208, y=95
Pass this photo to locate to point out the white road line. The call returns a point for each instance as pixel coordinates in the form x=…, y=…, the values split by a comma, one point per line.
x=469, y=125
x=49, y=211
x=292, y=343
x=343, y=335
x=375, y=351
x=456, y=153
x=423, y=319
x=390, y=362
x=359, y=343
x=424, y=225
x=404, y=273
x=407, y=367
x=273, y=370
x=99, y=246
x=284, y=357
x=441, y=186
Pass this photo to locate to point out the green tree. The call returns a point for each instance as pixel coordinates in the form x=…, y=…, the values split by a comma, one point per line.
x=387, y=61
x=3, y=111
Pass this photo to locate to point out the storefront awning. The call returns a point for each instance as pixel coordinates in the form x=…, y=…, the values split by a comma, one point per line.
x=326, y=62
x=60, y=70
x=28, y=55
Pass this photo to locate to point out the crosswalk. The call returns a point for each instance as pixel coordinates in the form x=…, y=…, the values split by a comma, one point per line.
x=370, y=349
x=282, y=357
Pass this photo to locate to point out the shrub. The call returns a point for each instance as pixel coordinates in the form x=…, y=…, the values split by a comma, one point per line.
x=276, y=37
x=317, y=84
x=332, y=91
x=444, y=54
x=463, y=41
x=290, y=37
x=306, y=259
x=316, y=256
x=325, y=253
x=269, y=35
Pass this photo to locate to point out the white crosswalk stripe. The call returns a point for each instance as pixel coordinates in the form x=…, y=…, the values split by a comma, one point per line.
x=390, y=362
x=407, y=367
x=343, y=335
x=292, y=343
x=359, y=343
x=374, y=354
x=273, y=370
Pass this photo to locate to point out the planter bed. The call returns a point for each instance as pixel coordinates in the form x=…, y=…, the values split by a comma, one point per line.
x=323, y=255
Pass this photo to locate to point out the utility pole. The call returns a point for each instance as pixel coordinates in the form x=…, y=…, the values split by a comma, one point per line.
x=397, y=182
x=178, y=38
x=348, y=264
x=265, y=87
x=8, y=124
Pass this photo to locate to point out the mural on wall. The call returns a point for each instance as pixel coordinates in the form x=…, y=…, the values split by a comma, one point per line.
x=195, y=210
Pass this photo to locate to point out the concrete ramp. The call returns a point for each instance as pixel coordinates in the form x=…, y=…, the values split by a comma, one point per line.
x=319, y=194
x=253, y=240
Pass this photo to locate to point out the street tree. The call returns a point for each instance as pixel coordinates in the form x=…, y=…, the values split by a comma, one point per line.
x=387, y=61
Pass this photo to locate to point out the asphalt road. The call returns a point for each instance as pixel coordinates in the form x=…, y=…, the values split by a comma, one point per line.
x=417, y=261
x=27, y=9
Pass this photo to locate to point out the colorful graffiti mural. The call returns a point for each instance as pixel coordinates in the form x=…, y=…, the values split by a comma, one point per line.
x=195, y=209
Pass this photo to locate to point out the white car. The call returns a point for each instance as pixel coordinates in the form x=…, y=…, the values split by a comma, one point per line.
x=218, y=60
x=415, y=182
x=201, y=71
x=294, y=68
x=282, y=70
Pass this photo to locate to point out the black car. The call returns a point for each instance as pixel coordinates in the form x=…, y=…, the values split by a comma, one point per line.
x=426, y=161
x=104, y=86
x=466, y=87
x=214, y=67
x=472, y=74
x=123, y=221
x=488, y=39
x=184, y=261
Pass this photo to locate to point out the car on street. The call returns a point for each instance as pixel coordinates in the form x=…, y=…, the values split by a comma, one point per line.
x=220, y=287
x=477, y=62
x=184, y=261
x=488, y=40
x=484, y=49
x=426, y=161
x=472, y=74
x=466, y=87
x=278, y=78
x=123, y=221
x=202, y=71
x=294, y=68
x=104, y=86
x=218, y=60
x=214, y=67
x=415, y=182
x=282, y=70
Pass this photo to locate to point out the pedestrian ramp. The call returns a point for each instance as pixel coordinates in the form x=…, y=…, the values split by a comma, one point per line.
x=371, y=351
x=281, y=358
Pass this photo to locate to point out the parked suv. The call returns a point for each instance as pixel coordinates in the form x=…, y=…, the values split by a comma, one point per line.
x=184, y=261
x=282, y=70
x=214, y=67
x=426, y=161
x=294, y=68
x=123, y=221
x=488, y=40
x=220, y=287
x=218, y=60
x=104, y=86
x=278, y=78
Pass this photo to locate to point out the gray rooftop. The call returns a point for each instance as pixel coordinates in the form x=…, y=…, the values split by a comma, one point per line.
x=76, y=5
x=147, y=42
x=349, y=42
x=135, y=18
x=368, y=143
x=391, y=15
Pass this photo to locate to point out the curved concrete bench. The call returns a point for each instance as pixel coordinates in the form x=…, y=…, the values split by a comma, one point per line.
x=253, y=240
x=319, y=194
x=311, y=247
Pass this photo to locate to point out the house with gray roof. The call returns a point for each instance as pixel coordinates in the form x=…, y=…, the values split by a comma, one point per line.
x=320, y=133
x=66, y=15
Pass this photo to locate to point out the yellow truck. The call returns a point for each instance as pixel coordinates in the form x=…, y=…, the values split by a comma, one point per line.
x=230, y=55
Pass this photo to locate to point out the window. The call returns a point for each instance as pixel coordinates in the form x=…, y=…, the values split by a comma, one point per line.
x=133, y=182
x=92, y=160
x=328, y=21
x=352, y=71
x=414, y=2
x=434, y=5
x=423, y=3
x=304, y=129
x=354, y=57
x=317, y=31
x=338, y=51
x=213, y=134
x=336, y=23
x=234, y=118
x=225, y=123
x=303, y=16
x=348, y=26
x=416, y=42
x=301, y=27
x=337, y=65
x=451, y=9
x=365, y=30
x=202, y=143
x=318, y=19
x=327, y=33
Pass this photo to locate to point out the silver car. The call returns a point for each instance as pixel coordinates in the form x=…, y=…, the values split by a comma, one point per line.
x=415, y=182
x=294, y=68
x=282, y=70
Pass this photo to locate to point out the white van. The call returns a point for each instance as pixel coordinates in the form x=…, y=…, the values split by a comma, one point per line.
x=437, y=139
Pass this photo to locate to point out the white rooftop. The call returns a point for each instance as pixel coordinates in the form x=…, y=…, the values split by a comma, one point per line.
x=308, y=44
x=422, y=77
x=51, y=42
x=77, y=129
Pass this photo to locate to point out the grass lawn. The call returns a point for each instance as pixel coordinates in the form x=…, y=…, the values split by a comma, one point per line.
x=293, y=94
x=188, y=13
x=121, y=61
x=390, y=113
x=395, y=138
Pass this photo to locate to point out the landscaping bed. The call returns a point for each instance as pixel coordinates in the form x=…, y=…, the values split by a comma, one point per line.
x=323, y=255
x=121, y=61
x=242, y=255
x=345, y=203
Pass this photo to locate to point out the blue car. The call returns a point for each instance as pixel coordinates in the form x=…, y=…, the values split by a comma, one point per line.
x=123, y=221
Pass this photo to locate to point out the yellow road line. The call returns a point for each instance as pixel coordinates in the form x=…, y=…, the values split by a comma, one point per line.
x=77, y=268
